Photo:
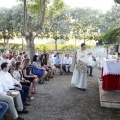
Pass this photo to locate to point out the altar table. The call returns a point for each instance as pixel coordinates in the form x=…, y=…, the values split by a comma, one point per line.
x=111, y=75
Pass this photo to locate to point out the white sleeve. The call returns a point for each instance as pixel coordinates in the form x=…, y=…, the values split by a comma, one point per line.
x=14, y=80
x=3, y=93
x=3, y=89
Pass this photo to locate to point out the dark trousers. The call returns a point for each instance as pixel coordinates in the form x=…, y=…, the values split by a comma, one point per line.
x=25, y=83
x=24, y=93
x=64, y=67
x=91, y=69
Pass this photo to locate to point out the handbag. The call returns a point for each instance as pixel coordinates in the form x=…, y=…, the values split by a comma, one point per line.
x=81, y=66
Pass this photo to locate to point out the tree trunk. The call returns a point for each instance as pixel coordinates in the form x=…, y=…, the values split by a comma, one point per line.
x=55, y=44
x=30, y=45
x=25, y=17
x=29, y=37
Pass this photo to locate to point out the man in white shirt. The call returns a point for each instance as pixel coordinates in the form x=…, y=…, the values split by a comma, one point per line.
x=13, y=84
x=90, y=62
x=67, y=62
x=7, y=96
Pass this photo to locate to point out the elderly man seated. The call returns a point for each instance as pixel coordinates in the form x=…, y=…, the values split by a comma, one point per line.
x=57, y=61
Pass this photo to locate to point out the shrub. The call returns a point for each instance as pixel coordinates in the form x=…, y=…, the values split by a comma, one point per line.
x=14, y=46
x=47, y=47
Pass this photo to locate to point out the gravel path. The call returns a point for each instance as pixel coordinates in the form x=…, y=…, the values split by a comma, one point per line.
x=57, y=99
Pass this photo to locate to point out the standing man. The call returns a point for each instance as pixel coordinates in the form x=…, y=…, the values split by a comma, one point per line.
x=80, y=78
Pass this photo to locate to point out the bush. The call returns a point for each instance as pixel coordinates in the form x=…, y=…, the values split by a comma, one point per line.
x=16, y=46
x=42, y=47
x=46, y=47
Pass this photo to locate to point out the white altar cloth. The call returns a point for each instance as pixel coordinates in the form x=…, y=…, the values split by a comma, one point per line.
x=111, y=67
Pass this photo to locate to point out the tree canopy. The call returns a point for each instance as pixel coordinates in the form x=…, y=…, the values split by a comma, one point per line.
x=60, y=22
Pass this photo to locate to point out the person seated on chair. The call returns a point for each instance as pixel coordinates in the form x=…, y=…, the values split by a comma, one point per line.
x=13, y=60
x=67, y=63
x=18, y=75
x=13, y=84
x=28, y=74
x=7, y=96
x=43, y=62
x=90, y=66
x=58, y=62
x=4, y=58
x=38, y=70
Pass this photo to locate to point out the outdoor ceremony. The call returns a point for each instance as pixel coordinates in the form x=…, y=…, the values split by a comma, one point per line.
x=60, y=60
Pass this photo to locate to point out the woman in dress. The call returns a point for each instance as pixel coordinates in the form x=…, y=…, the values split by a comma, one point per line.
x=80, y=78
x=38, y=70
x=27, y=74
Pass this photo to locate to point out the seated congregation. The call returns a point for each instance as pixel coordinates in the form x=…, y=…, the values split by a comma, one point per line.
x=19, y=75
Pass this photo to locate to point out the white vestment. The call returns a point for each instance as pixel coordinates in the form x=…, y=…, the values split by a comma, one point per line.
x=80, y=78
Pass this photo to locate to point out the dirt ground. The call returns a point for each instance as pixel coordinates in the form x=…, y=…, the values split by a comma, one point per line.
x=57, y=99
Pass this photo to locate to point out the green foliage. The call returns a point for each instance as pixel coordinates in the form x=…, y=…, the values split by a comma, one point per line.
x=56, y=8
x=46, y=47
x=15, y=47
x=110, y=19
x=42, y=47
x=61, y=22
x=10, y=20
x=111, y=35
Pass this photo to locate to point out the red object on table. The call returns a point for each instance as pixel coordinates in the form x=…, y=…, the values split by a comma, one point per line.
x=110, y=82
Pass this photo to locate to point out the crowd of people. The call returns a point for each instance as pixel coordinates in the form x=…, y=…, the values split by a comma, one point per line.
x=19, y=76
